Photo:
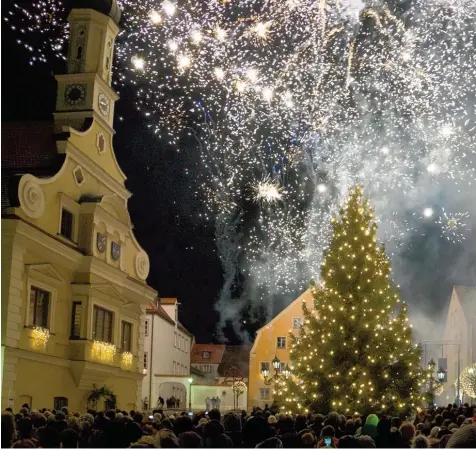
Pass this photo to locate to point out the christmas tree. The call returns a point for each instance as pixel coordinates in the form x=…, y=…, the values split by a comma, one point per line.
x=354, y=352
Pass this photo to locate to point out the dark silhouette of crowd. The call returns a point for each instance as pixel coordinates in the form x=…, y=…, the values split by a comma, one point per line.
x=450, y=427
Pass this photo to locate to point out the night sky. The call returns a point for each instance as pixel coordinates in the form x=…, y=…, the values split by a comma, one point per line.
x=163, y=208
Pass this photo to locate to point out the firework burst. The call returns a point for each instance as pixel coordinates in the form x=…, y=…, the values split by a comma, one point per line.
x=453, y=226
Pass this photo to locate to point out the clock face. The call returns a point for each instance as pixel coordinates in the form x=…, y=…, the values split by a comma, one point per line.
x=74, y=94
x=103, y=103
x=115, y=251
x=101, y=242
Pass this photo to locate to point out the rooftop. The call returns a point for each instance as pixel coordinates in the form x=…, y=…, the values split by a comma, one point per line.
x=215, y=353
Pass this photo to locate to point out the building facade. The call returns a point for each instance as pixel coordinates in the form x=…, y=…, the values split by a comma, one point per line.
x=206, y=358
x=460, y=328
x=220, y=377
x=167, y=348
x=271, y=341
x=74, y=289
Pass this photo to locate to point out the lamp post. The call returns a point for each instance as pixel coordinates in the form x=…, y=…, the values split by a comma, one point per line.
x=190, y=382
x=277, y=371
x=458, y=364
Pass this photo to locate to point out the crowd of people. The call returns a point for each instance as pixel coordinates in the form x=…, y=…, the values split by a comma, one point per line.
x=451, y=426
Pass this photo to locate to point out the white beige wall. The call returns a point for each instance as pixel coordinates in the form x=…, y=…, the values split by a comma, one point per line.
x=201, y=392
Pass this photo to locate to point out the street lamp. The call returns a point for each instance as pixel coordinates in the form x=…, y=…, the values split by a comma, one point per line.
x=431, y=365
x=441, y=374
x=190, y=382
x=276, y=363
x=286, y=371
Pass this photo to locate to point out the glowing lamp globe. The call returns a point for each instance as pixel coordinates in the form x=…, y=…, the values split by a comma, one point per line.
x=276, y=363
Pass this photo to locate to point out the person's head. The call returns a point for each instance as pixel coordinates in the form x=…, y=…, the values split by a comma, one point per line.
x=270, y=442
x=65, y=410
x=48, y=437
x=214, y=414
x=300, y=423
x=25, y=427
x=434, y=432
x=420, y=441
x=137, y=417
x=348, y=441
x=133, y=431
x=396, y=422
x=308, y=440
x=333, y=420
x=463, y=437
x=60, y=416
x=328, y=431
x=460, y=420
x=232, y=422
x=408, y=431
x=8, y=429
x=272, y=420
x=212, y=428
x=190, y=440
x=182, y=424
x=372, y=420
x=69, y=438
x=24, y=443
x=366, y=441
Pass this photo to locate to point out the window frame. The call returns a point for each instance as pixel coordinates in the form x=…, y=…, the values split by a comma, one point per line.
x=71, y=206
x=301, y=321
x=73, y=310
x=208, y=355
x=131, y=330
x=46, y=316
x=33, y=280
x=146, y=328
x=58, y=407
x=268, y=366
x=112, y=326
x=283, y=339
x=71, y=230
x=261, y=391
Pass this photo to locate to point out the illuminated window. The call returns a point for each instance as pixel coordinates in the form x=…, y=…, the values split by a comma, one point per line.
x=205, y=355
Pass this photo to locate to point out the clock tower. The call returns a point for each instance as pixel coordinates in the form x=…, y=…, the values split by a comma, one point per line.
x=85, y=91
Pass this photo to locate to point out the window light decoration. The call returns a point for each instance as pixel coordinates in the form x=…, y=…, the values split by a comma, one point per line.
x=127, y=359
x=104, y=351
x=40, y=336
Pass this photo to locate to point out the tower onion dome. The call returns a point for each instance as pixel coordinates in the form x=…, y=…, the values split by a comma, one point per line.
x=106, y=7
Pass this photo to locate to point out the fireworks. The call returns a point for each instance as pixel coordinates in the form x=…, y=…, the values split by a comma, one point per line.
x=304, y=97
x=453, y=226
x=267, y=191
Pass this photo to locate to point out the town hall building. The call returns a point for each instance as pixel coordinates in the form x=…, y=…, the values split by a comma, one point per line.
x=74, y=291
